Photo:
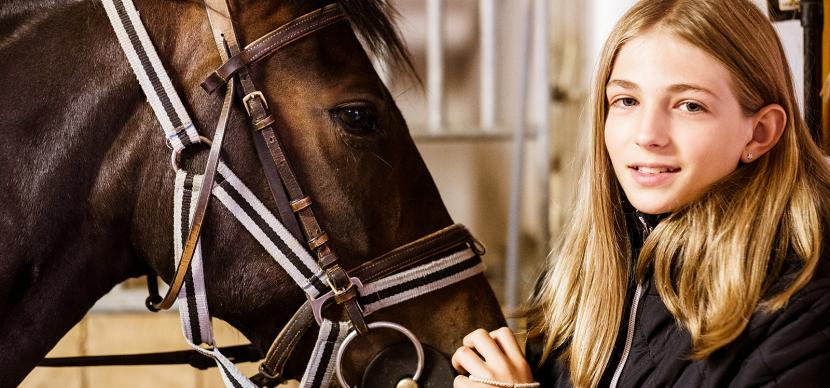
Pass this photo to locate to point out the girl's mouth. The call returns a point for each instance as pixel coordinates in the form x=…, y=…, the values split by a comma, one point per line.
x=655, y=170
x=651, y=175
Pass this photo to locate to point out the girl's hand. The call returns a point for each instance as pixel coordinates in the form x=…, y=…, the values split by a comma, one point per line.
x=502, y=361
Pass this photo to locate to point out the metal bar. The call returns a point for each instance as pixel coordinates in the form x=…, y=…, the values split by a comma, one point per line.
x=812, y=21
x=517, y=172
x=487, y=74
x=541, y=104
x=435, y=64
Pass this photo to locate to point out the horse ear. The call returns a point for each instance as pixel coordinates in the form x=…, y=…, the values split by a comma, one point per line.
x=374, y=22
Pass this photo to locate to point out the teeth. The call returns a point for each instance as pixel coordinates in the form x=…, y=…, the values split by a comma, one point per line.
x=652, y=170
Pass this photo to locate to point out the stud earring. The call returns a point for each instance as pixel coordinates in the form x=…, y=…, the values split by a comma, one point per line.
x=749, y=157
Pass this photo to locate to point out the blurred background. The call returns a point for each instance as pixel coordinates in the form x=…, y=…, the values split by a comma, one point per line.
x=501, y=123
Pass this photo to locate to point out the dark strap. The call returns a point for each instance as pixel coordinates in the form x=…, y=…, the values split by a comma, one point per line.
x=236, y=354
x=283, y=346
x=272, y=176
x=222, y=29
x=201, y=204
x=316, y=238
x=271, y=42
x=261, y=119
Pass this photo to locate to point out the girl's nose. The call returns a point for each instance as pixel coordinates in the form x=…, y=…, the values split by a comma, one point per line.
x=652, y=131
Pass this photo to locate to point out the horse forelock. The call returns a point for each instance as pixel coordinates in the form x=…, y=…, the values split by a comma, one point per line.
x=374, y=21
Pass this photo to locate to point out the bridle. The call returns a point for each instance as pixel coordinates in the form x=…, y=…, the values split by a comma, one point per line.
x=432, y=262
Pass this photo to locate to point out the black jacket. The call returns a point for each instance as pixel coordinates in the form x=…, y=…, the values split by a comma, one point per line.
x=789, y=348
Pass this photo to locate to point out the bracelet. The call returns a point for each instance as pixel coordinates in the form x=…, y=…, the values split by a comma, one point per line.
x=502, y=384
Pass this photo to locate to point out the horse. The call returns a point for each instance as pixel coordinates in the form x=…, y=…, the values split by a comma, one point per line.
x=88, y=184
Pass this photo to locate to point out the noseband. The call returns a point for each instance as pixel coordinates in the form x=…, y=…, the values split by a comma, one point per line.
x=430, y=263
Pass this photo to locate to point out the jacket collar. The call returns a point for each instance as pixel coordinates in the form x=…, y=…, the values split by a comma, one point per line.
x=639, y=226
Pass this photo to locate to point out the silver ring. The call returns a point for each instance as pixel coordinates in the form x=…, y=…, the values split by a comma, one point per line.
x=176, y=155
x=338, y=367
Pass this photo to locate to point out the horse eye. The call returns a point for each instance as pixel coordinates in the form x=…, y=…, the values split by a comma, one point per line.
x=360, y=120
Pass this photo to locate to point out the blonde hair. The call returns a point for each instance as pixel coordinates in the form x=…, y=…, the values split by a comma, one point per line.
x=714, y=260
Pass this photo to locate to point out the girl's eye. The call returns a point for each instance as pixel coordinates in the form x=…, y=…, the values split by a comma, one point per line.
x=692, y=107
x=625, y=102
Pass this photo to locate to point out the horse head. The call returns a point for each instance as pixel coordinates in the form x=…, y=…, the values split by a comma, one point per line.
x=92, y=185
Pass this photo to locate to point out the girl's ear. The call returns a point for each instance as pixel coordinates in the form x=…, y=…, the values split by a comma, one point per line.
x=769, y=124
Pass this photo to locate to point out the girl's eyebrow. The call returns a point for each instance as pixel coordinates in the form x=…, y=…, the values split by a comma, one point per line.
x=676, y=88
x=623, y=84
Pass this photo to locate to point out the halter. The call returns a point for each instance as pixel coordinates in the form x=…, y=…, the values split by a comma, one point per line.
x=435, y=261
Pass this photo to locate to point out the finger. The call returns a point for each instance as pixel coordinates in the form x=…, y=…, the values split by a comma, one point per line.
x=507, y=341
x=465, y=360
x=481, y=341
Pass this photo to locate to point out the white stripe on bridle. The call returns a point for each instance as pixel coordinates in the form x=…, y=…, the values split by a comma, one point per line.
x=320, y=369
x=421, y=272
x=196, y=324
x=313, y=285
x=199, y=303
x=269, y=232
x=144, y=60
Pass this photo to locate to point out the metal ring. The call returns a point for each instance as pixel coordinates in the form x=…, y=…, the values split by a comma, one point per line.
x=176, y=155
x=478, y=247
x=338, y=367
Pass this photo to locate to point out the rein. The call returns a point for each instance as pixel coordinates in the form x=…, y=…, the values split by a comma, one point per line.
x=435, y=261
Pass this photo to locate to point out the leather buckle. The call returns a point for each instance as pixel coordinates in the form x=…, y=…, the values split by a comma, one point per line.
x=250, y=96
x=318, y=303
x=317, y=242
x=275, y=377
x=300, y=204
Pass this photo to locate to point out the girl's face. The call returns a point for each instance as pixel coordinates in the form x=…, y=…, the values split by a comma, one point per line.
x=674, y=126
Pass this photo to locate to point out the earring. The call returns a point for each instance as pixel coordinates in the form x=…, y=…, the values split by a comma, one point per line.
x=749, y=157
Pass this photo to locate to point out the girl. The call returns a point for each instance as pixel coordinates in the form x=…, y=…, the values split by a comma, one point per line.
x=696, y=255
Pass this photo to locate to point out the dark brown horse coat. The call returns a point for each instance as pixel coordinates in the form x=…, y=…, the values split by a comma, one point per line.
x=87, y=189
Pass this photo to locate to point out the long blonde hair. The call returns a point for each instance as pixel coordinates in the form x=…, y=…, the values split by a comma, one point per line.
x=713, y=261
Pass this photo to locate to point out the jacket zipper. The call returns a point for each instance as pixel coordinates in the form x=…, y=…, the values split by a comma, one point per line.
x=628, y=338
x=632, y=317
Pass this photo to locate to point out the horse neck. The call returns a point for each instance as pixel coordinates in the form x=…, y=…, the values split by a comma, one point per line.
x=76, y=160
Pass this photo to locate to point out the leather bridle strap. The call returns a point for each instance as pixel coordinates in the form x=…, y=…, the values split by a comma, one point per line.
x=222, y=30
x=263, y=122
x=236, y=354
x=271, y=42
x=201, y=204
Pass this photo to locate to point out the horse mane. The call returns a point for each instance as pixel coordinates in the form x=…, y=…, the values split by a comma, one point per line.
x=374, y=22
